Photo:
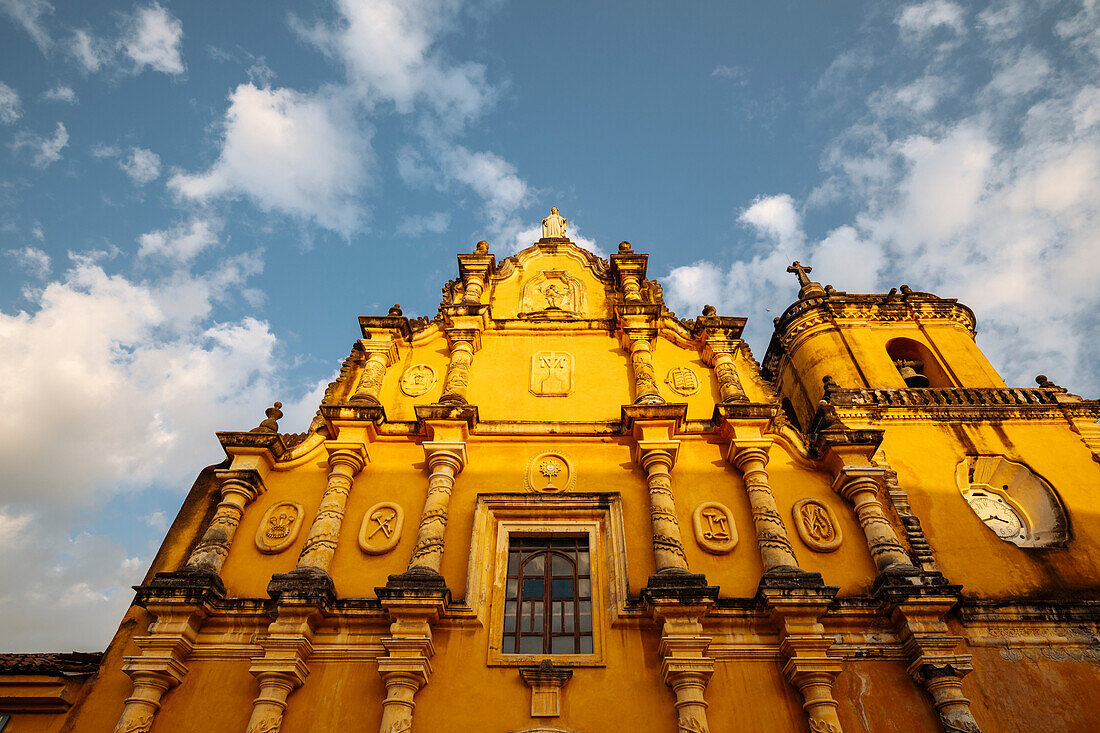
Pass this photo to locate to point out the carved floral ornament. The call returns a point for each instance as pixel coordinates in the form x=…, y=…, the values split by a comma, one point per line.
x=381, y=528
x=549, y=473
x=279, y=527
x=817, y=525
x=715, y=530
x=417, y=380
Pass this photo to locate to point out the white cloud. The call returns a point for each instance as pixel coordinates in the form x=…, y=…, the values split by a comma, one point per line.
x=44, y=150
x=298, y=154
x=491, y=177
x=89, y=51
x=1021, y=73
x=33, y=260
x=153, y=39
x=182, y=243
x=775, y=217
x=418, y=226
x=141, y=165
x=1003, y=21
x=29, y=14
x=737, y=74
x=60, y=93
x=518, y=238
x=916, y=22
x=10, y=107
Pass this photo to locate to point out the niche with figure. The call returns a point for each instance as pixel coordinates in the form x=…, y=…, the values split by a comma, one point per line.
x=1018, y=505
x=916, y=364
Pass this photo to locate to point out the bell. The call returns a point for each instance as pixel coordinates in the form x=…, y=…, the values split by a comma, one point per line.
x=912, y=377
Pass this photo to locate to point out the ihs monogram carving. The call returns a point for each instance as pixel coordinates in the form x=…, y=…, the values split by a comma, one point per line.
x=279, y=527
x=682, y=380
x=817, y=525
x=417, y=380
x=551, y=473
x=381, y=528
x=552, y=294
x=552, y=373
x=714, y=528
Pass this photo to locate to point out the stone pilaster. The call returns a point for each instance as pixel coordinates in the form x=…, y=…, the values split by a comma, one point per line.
x=445, y=461
x=345, y=461
x=640, y=341
x=238, y=489
x=685, y=666
x=465, y=342
x=656, y=459
x=381, y=353
x=475, y=269
x=804, y=646
x=406, y=667
x=160, y=666
x=281, y=668
x=861, y=485
x=718, y=354
x=628, y=268
x=751, y=459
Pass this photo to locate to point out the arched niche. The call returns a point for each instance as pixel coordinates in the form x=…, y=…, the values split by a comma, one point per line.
x=1016, y=504
x=913, y=360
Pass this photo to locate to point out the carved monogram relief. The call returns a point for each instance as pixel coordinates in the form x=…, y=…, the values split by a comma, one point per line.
x=279, y=527
x=417, y=380
x=682, y=380
x=817, y=525
x=552, y=373
x=381, y=528
x=550, y=473
x=714, y=528
x=552, y=294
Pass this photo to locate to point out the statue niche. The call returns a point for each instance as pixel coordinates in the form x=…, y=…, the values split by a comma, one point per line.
x=552, y=294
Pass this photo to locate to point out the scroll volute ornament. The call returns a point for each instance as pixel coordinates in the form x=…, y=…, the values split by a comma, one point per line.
x=381, y=528
x=279, y=527
x=817, y=525
x=714, y=528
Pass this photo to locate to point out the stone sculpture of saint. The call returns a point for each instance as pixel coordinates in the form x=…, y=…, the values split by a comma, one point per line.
x=553, y=226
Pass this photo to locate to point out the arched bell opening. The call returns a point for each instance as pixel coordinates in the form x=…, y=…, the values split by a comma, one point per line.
x=916, y=364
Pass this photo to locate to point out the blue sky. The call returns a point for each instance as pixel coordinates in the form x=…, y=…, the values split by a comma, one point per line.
x=197, y=199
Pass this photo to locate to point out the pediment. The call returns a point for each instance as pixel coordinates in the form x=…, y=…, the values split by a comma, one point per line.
x=552, y=280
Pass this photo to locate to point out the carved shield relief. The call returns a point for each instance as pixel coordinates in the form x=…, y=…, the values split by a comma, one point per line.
x=279, y=527
x=817, y=526
x=714, y=528
x=552, y=373
x=381, y=528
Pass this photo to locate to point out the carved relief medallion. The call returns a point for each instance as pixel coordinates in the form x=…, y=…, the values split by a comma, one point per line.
x=550, y=473
x=682, y=380
x=279, y=527
x=714, y=528
x=552, y=373
x=552, y=294
x=381, y=528
x=817, y=525
x=417, y=380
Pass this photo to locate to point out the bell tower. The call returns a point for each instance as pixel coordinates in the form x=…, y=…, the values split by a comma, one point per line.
x=893, y=340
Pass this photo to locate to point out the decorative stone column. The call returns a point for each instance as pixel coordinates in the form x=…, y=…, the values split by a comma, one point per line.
x=860, y=485
x=629, y=269
x=465, y=342
x=445, y=461
x=160, y=665
x=657, y=458
x=281, y=669
x=646, y=391
x=381, y=353
x=718, y=353
x=751, y=458
x=406, y=666
x=239, y=487
x=475, y=269
x=345, y=461
x=685, y=666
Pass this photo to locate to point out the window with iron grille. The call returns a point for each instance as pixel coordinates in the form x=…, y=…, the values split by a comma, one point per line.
x=548, y=596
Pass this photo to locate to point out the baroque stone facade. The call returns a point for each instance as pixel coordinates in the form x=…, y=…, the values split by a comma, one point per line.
x=558, y=507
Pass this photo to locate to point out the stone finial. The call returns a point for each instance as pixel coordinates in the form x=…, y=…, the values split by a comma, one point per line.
x=395, y=310
x=709, y=310
x=270, y=424
x=890, y=296
x=829, y=384
x=624, y=247
x=1045, y=383
x=482, y=248
x=553, y=226
x=829, y=290
x=906, y=290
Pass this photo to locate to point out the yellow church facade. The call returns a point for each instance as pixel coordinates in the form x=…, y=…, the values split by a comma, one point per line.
x=557, y=507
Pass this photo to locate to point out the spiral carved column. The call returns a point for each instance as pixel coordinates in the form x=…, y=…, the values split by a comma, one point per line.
x=345, y=462
x=861, y=488
x=771, y=535
x=464, y=344
x=239, y=488
x=445, y=462
x=668, y=547
x=646, y=391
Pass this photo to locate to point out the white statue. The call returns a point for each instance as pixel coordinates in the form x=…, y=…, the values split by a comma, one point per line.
x=553, y=226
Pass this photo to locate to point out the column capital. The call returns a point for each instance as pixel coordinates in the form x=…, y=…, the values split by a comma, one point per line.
x=471, y=336
x=439, y=452
x=851, y=477
x=650, y=452
x=715, y=346
x=352, y=454
x=248, y=482
x=632, y=334
x=383, y=344
x=742, y=450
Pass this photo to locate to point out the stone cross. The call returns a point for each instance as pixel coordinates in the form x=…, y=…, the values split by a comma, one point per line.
x=553, y=226
x=800, y=272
